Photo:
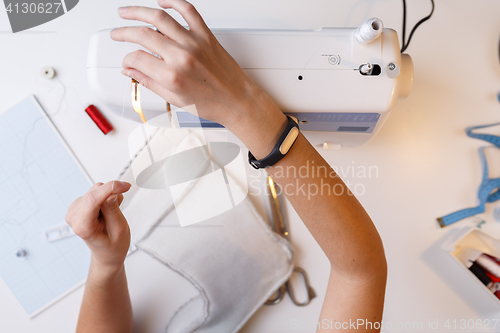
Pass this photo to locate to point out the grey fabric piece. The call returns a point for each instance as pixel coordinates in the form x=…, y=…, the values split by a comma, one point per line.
x=234, y=260
x=183, y=320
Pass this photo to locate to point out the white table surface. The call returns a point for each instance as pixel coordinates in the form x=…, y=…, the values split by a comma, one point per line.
x=427, y=166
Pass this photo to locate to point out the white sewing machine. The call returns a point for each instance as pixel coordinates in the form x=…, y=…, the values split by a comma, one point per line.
x=340, y=84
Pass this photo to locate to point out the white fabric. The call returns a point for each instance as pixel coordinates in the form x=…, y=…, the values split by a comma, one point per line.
x=234, y=260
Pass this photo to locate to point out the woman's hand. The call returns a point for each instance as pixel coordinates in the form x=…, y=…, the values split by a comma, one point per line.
x=195, y=69
x=97, y=219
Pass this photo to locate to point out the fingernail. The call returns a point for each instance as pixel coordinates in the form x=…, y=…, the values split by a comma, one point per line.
x=122, y=10
x=127, y=184
x=112, y=32
x=125, y=72
x=111, y=199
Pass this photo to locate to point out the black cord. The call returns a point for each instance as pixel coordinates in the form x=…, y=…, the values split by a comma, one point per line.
x=404, y=45
x=403, y=37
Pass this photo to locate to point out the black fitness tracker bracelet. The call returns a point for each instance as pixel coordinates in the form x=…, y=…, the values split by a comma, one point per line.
x=285, y=142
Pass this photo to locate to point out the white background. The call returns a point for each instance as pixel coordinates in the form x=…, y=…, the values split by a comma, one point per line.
x=427, y=166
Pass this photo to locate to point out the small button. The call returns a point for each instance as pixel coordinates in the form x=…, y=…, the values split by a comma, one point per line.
x=21, y=253
x=334, y=59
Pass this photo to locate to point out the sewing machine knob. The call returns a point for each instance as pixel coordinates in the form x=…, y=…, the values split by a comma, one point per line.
x=406, y=76
x=366, y=69
x=334, y=59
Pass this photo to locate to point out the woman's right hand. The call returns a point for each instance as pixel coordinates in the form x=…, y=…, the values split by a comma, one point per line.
x=97, y=219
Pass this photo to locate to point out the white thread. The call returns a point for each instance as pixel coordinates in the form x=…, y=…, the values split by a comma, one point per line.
x=48, y=73
x=489, y=264
x=369, y=31
x=120, y=126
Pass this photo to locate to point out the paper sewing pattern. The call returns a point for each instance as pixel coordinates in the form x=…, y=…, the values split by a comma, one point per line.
x=39, y=179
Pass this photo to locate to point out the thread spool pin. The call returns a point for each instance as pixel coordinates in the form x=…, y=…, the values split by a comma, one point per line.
x=369, y=31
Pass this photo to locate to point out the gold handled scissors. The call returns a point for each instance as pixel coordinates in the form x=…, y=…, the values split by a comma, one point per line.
x=280, y=227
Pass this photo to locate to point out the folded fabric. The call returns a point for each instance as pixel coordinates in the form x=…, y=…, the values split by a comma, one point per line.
x=234, y=260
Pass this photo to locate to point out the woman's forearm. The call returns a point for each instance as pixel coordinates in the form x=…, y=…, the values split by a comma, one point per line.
x=330, y=211
x=106, y=303
x=332, y=214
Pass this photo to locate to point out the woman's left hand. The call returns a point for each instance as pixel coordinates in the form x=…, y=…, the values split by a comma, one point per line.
x=194, y=68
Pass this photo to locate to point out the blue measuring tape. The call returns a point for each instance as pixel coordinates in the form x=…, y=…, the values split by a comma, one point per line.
x=488, y=186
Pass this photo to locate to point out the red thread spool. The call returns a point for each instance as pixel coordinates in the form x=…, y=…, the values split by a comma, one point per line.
x=99, y=119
